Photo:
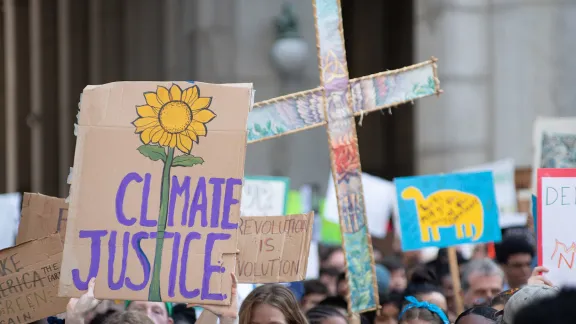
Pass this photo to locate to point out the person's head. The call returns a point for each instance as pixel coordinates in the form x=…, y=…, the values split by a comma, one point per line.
x=382, y=278
x=334, y=258
x=102, y=317
x=337, y=302
x=128, y=317
x=398, y=280
x=478, y=315
x=325, y=315
x=314, y=292
x=158, y=312
x=182, y=314
x=515, y=254
x=549, y=310
x=391, y=304
x=526, y=296
x=424, y=286
x=500, y=300
x=421, y=312
x=329, y=277
x=271, y=304
x=482, y=279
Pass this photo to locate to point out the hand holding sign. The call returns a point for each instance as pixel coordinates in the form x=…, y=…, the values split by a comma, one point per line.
x=78, y=307
x=537, y=277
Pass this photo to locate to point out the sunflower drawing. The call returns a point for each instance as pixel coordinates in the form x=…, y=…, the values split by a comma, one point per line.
x=171, y=119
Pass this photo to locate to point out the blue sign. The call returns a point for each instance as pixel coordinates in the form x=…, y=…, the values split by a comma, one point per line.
x=447, y=210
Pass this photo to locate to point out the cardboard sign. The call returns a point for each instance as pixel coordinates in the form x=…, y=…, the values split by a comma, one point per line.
x=9, y=216
x=29, y=278
x=156, y=189
x=446, y=210
x=263, y=196
x=41, y=216
x=554, y=140
x=274, y=249
x=556, y=209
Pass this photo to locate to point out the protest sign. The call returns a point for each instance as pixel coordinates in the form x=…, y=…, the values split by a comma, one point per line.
x=556, y=198
x=9, y=217
x=554, y=140
x=274, y=249
x=264, y=196
x=41, y=216
x=155, y=191
x=446, y=210
x=29, y=281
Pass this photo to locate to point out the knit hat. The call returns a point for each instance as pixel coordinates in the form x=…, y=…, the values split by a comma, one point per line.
x=525, y=297
x=168, y=307
x=382, y=278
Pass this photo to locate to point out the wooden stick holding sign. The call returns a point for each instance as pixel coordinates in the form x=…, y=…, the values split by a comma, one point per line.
x=455, y=274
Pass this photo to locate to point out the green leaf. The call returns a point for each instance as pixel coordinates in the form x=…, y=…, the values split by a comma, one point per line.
x=187, y=161
x=257, y=128
x=153, y=152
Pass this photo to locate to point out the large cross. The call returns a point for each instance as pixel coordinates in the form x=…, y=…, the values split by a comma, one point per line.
x=334, y=105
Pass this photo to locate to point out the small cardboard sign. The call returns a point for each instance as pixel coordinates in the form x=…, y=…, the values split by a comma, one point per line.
x=556, y=199
x=155, y=191
x=274, y=249
x=41, y=216
x=29, y=275
x=447, y=210
x=264, y=196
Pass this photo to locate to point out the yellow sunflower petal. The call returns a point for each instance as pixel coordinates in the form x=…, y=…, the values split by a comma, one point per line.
x=157, y=133
x=176, y=92
x=145, y=136
x=200, y=103
x=190, y=95
x=173, y=140
x=192, y=135
x=145, y=122
x=184, y=143
x=163, y=95
x=152, y=99
x=166, y=137
x=204, y=115
x=146, y=111
x=198, y=128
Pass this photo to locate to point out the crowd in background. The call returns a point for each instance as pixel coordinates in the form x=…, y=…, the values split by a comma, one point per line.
x=505, y=290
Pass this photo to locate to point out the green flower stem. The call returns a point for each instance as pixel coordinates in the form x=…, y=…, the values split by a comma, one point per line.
x=154, y=292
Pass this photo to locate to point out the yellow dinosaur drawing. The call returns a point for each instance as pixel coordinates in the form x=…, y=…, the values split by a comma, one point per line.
x=447, y=208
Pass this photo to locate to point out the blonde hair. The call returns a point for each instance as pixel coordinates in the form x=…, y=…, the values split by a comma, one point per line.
x=274, y=295
x=128, y=317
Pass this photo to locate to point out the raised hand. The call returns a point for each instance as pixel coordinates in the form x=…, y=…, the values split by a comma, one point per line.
x=537, y=277
x=78, y=307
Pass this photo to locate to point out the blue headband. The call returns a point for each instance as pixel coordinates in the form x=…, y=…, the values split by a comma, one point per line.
x=414, y=303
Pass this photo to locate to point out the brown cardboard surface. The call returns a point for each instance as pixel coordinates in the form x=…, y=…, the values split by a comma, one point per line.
x=29, y=275
x=274, y=248
x=41, y=216
x=124, y=188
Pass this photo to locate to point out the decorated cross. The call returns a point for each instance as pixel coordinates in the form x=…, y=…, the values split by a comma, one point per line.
x=334, y=105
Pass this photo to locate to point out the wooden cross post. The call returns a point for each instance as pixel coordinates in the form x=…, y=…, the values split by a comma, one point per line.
x=334, y=105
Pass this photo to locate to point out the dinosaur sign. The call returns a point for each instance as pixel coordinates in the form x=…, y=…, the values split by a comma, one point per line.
x=446, y=210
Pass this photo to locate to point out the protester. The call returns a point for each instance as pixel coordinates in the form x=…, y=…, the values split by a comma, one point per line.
x=515, y=255
x=478, y=315
x=424, y=286
x=325, y=315
x=482, y=279
x=314, y=292
x=526, y=296
x=336, y=302
x=333, y=258
x=269, y=304
x=158, y=312
x=558, y=309
x=382, y=278
x=398, y=280
x=390, y=304
x=181, y=314
x=128, y=317
x=421, y=312
x=342, y=288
